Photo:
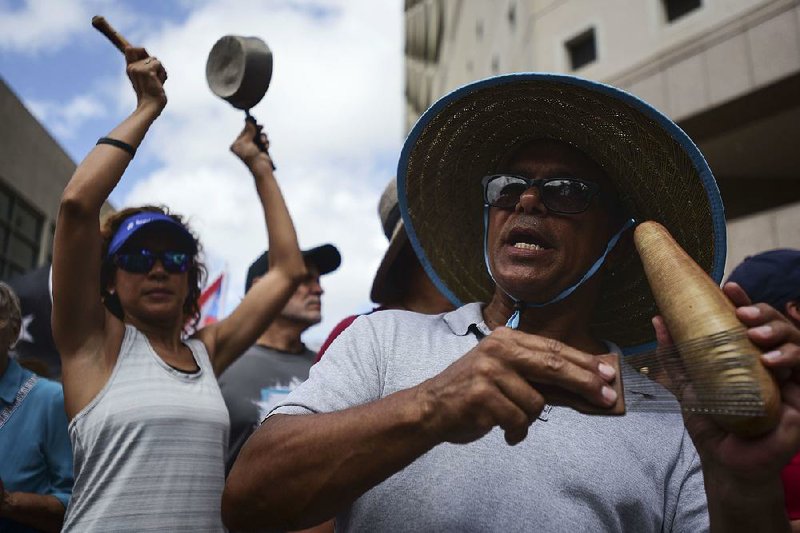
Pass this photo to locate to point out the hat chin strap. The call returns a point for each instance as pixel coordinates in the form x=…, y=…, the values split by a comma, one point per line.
x=519, y=305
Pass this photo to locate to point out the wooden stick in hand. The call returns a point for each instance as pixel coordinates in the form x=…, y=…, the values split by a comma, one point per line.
x=102, y=25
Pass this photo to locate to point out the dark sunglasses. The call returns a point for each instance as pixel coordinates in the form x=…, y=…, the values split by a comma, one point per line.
x=142, y=261
x=559, y=195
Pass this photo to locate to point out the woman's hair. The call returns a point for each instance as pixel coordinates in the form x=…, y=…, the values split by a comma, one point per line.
x=10, y=313
x=196, y=272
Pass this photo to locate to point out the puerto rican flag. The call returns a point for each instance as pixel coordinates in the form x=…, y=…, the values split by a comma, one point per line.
x=212, y=301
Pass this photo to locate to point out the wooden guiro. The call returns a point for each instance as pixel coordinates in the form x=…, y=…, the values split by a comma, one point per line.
x=102, y=25
x=723, y=365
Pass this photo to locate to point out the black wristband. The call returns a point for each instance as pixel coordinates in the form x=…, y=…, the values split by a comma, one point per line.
x=119, y=144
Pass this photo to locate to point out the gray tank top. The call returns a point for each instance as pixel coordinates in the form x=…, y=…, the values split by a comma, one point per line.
x=150, y=447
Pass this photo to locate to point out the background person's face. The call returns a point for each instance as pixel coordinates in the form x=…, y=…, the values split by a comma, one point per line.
x=305, y=305
x=535, y=254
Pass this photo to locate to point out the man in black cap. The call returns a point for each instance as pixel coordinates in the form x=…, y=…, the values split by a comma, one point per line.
x=279, y=361
x=773, y=277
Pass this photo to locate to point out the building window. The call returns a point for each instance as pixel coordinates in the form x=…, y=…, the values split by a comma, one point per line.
x=50, y=240
x=479, y=29
x=20, y=235
x=512, y=16
x=582, y=49
x=675, y=9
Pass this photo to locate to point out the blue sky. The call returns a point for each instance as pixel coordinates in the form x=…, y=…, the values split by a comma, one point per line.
x=333, y=112
x=52, y=75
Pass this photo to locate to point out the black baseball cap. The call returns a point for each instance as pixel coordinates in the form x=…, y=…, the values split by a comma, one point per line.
x=771, y=277
x=325, y=257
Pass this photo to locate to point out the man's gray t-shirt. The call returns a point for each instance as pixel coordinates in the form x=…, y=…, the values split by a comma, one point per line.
x=573, y=472
x=255, y=383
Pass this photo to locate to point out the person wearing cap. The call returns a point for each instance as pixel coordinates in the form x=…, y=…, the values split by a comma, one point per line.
x=400, y=281
x=517, y=194
x=148, y=423
x=279, y=361
x=773, y=277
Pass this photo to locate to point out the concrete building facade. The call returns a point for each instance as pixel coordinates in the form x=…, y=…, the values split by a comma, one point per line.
x=33, y=172
x=727, y=71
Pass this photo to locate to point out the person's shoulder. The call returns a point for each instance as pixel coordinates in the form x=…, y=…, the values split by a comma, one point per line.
x=254, y=356
x=47, y=398
x=47, y=388
x=398, y=318
x=343, y=323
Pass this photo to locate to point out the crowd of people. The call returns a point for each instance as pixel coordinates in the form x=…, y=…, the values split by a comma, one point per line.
x=509, y=277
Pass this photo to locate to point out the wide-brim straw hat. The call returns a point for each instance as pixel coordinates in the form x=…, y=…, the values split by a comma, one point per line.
x=657, y=170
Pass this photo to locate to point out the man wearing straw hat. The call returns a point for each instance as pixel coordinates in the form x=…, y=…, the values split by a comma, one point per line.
x=515, y=191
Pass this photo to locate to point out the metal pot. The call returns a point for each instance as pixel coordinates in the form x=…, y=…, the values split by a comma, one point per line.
x=239, y=70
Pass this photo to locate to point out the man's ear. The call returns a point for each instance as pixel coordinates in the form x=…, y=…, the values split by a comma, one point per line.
x=792, y=311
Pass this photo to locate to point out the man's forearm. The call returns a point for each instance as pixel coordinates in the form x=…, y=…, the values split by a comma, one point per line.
x=40, y=511
x=296, y=471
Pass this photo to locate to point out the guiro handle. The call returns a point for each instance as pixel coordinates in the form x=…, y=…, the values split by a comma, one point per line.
x=695, y=308
x=102, y=25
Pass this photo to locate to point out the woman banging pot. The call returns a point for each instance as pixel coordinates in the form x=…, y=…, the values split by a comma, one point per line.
x=147, y=421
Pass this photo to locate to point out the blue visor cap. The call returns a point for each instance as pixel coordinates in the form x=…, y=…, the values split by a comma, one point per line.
x=154, y=222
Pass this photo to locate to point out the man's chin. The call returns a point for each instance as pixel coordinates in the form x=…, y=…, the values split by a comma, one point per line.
x=526, y=291
x=307, y=319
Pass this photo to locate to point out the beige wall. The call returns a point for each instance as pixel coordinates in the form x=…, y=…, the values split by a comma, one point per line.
x=32, y=164
x=731, y=45
x=777, y=228
x=728, y=73
x=31, y=161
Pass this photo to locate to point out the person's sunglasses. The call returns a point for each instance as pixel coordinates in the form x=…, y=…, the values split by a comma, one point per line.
x=142, y=261
x=559, y=195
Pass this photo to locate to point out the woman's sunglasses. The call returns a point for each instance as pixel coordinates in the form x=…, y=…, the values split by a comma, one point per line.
x=142, y=261
x=559, y=195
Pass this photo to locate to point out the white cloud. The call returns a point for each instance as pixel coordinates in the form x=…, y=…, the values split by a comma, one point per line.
x=334, y=116
x=43, y=26
x=64, y=120
x=40, y=24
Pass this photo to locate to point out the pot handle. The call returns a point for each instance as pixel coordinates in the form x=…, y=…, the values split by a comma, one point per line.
x=257, y=138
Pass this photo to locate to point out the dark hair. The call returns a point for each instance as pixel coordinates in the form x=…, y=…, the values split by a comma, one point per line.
x=196, y=272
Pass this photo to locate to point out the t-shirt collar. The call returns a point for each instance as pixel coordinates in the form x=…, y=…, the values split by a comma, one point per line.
x=460, y=320
x=11, y=381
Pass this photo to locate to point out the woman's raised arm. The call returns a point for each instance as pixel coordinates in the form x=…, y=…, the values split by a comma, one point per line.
x=227, y=339
x=79, y=318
